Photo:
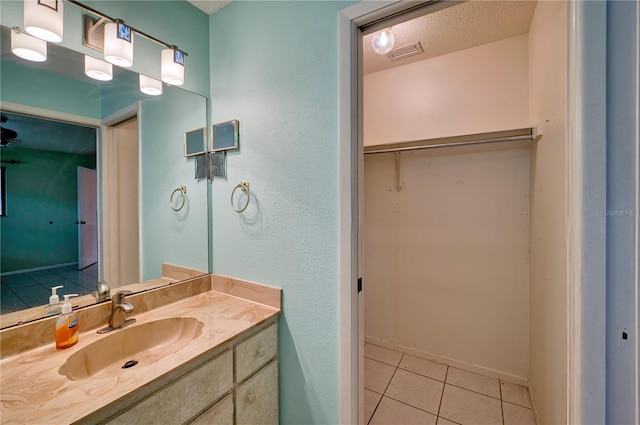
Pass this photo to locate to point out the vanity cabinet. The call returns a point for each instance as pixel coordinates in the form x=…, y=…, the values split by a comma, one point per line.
x=212, y=394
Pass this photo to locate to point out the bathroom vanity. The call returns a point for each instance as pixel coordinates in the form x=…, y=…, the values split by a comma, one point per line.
x=207, y=358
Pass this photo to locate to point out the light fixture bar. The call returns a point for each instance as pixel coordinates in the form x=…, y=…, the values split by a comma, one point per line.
x=109, y=18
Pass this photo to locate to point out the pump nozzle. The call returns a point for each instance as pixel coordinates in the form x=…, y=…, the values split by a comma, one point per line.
x=66, y=307
x=54, y=298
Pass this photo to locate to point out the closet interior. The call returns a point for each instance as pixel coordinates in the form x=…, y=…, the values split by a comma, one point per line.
x=464, y=253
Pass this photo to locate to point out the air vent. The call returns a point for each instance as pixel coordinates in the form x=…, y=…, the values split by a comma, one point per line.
x=405, y=51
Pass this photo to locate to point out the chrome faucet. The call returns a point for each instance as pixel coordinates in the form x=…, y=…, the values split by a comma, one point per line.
x=103, y=293
x=119, y=310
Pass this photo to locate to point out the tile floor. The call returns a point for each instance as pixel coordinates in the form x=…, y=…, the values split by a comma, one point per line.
x=403, y=389
x=25, y=290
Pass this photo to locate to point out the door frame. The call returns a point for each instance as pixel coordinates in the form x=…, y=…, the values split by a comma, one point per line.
x=586, y=126
x=110, y=239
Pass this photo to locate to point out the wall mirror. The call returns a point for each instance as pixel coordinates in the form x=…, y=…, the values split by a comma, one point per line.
x=224, y=136
x=70, y=129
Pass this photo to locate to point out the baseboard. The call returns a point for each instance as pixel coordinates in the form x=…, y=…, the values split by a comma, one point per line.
x=533, y=404
x=507, y=377
x=37, y=269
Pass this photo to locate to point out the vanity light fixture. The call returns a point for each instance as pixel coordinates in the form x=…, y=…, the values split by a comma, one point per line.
x=44, y=19
x=28, y=47
x=172, y=66
x=150, y=86
x=383, y=41
x=118, y=43
x=97, y=69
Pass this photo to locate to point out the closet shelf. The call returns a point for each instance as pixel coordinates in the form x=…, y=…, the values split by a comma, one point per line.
x=527, y=135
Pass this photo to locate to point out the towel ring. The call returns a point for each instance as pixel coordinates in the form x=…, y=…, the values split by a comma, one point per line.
x=244, y=186
x=183, y=190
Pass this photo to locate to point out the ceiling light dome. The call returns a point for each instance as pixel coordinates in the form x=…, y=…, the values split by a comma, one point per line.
x=382, y=41
x=44, y=19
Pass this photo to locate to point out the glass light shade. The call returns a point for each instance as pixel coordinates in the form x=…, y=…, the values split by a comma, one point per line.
x=118, y=50
x=97, y=69
x=172, y=71
x=150, y=86
x=382, y=41
x=44, y=19
x=27, y=47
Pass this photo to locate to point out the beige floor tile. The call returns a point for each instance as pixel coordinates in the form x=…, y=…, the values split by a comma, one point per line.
x=474, y=382
x=443, y=421
x=517, y=415
x=416, y=390
x=377, y=375
x=371, y=401
x=469, y=408
x=515, y=394
x=424, y=367
x=391, y=412
x=382, y=354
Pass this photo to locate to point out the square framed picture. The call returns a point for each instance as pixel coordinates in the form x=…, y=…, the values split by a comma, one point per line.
x=195, y=141
x=224, y=136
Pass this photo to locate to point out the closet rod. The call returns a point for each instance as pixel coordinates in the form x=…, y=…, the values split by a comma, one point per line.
x=521, y=134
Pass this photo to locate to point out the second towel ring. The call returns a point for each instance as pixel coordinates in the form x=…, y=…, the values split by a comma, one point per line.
x=244, y=186
x=183, y=190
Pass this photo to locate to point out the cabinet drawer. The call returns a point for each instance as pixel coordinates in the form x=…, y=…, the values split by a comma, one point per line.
x=256, y=351
x=257, y=399
x=220, y=414
x=183, y=399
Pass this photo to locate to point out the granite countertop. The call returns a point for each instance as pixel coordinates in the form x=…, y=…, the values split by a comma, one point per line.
x=34, y=391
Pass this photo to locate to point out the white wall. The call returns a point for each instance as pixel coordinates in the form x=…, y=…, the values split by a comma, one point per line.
x=446, y=259
x=484, y=88
x=548, y=267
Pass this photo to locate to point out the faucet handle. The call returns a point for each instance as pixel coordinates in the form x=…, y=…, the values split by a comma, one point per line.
x=120, y=296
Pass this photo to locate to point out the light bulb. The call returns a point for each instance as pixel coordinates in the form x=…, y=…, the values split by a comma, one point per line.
x=27, y=47
x=150, y=86
x=382, y=41
x=97, y=69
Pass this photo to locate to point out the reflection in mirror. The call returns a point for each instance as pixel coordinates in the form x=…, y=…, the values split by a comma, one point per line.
x=71, y=129
x=194, y=141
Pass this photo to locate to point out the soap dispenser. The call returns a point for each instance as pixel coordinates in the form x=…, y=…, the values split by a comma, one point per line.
x=54, y=302
x=67, y=325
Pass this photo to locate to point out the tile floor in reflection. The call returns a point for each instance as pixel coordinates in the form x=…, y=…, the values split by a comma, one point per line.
x=25, y=290
x=403, y=389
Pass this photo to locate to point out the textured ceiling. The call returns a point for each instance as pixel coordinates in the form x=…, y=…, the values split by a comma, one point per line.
x=459, y=27
x=209, y=6
x=48, y=135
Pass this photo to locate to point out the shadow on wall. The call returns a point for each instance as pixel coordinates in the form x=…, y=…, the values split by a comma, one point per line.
x=299, y=400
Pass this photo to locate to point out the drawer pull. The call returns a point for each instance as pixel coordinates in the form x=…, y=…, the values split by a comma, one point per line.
x=261, y=351
x=250, y=398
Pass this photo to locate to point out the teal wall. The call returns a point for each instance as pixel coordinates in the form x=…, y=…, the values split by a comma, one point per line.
x=174, y=22
x=40, y=190
x=168, y=236
x=274, y=66
x=28, y=86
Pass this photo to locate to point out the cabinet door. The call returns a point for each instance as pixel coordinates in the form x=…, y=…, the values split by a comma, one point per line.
x=257, y=398
x=220, y=414
x=255, y=352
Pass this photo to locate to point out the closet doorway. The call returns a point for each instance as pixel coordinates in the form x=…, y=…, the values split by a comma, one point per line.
x=463, y=243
